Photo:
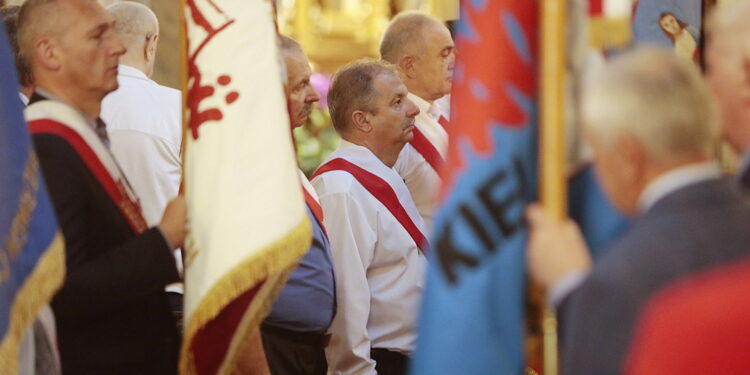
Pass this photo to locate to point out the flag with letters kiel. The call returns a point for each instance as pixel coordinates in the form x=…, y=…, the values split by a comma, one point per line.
x=32, y=250
x=248, y=225
x=472, y=319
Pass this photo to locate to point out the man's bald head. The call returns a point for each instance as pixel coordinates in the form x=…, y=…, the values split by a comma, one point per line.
x=422, y=48
x=36, y=20
x=138, y=28
x=728, y=69
x=405, y=35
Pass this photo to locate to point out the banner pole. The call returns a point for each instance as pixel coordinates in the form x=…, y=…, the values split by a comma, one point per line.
x=553, y=191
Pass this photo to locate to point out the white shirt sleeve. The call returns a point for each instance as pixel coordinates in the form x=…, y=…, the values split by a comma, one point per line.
x=352, y=244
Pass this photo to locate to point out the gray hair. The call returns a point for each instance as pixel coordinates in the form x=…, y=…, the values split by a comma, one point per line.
x=403, y=35
x=37, y=19
x=655, y=96
x=134, y=22
x=353, y=88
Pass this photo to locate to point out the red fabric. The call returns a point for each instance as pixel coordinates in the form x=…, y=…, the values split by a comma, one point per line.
x=211, y=343
x=444, y=122
x=383, y=192
x=314, y=207
x=596, y=7
x=698, y=326
x=129, y=209
x=426, y=149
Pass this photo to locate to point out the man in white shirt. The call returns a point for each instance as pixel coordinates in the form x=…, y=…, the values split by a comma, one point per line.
x=144, y=123
x=423, y=50
x=143, y=118
x=650, y=121
x=376, y=234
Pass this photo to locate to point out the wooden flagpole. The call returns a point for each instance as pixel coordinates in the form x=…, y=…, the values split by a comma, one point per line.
x=553, y=189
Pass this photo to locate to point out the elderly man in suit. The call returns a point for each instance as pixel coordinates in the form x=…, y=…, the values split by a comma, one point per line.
x=649, y=119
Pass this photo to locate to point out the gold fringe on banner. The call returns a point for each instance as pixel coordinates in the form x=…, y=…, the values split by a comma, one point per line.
x=37, y=291
x=278, y=257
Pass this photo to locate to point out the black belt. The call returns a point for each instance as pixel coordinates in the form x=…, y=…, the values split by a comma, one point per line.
x=308, y=338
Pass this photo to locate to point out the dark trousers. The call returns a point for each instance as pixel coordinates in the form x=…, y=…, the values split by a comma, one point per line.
x=389, y=362
x=293, y=353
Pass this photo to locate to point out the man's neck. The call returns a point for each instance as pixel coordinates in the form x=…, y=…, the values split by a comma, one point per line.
x=385, y=154
x=665, y=178
x=134, y=62
x=86, y=104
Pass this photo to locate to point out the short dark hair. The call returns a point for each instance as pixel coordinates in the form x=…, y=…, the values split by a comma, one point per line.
x=10, y=19
x=353, y=88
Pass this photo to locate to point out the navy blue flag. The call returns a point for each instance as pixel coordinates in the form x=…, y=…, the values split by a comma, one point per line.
x=472, y=319
x=32, y=259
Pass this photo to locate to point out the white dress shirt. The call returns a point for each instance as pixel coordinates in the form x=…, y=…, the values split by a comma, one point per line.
x=421, y=179
x=659, y=188
x=144, y=125
x=145, y=130
x=378, y=267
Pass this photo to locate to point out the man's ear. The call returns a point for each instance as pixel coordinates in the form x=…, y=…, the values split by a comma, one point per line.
x=361, y=121
x=149, y=49
x=406, y=64
x=47, y=55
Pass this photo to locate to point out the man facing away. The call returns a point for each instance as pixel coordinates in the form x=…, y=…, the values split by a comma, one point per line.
x=650, y=121
x=422, y=49
x=294, y=332
x=144, y=121
x=377, y=236
x=112, y=313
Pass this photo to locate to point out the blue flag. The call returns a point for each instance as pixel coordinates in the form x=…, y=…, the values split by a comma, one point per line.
x=32, y=259
x=472, y=319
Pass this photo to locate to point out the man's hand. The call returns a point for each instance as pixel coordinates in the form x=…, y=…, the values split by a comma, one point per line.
x=555, y=249
x=174, y=222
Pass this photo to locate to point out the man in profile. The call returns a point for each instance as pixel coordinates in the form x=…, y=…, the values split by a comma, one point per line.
x=421, y=47
x=377, y=236
x=112, y=312
x=294, y=332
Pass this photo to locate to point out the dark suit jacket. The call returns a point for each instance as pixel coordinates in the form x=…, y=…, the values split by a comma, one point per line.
x=112, y=314
x=692, y=229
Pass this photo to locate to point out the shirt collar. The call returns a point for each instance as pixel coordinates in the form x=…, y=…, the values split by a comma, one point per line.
x=431, y=109
x=92, y=122
x=129, y=71
x=674, y=180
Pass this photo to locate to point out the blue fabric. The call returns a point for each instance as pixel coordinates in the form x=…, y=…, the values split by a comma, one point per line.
x=18, y=261
x=472, y=318
x=600, y=222
x=308, y=301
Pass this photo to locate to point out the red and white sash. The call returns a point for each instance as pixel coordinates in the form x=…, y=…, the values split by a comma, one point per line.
x=382, y=191
x=53, y=117
x=311, y=198
x=428, y=151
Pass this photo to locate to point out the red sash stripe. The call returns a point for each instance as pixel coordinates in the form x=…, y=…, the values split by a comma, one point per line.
x=315, y=208
x=427, y=150
x=382, y=191
x=129, y=209
x=444, y=122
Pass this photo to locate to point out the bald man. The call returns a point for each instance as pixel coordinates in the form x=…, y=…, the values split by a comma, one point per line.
x=144, y=121
x=422, y=49
x=143, y=118
x=112, y=312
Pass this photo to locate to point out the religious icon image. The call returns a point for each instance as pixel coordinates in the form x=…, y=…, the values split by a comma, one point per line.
x=679, y=33
x=670, y=23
